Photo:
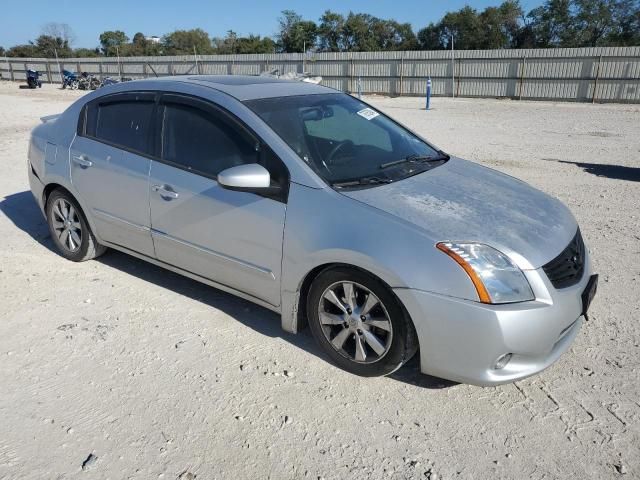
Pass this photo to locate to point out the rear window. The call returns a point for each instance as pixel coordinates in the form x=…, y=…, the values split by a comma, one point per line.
x=125, y=123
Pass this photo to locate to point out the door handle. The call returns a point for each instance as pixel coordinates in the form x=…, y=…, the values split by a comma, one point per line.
x=165, y=191
x=82, y=160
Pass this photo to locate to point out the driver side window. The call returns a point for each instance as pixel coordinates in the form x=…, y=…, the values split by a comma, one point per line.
x=202, y=141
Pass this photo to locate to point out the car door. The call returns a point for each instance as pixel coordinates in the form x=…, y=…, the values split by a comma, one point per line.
x=110, y=167
x=231, y=237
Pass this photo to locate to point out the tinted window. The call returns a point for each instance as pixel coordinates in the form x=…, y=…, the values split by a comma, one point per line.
x=125, y=123
x=339, y=127
x=345, y=140
x=203, y=141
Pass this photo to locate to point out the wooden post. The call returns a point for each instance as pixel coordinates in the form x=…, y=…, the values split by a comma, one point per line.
x=144, y=70
x=522, y=69
x=49, y=79
x=595, y=83
x=100, y=68
x=170, y=68
x=458, y=78
x=78, y=65
x=401, y=87
x=11, y=71
x=351, y=75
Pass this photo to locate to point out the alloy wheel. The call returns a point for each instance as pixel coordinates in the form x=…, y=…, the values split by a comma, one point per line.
x=66, y=225
x=355, y=322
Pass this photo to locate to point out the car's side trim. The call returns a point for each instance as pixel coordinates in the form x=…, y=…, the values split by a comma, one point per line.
x=108, y=216
x=242, y=263
x=195, y=276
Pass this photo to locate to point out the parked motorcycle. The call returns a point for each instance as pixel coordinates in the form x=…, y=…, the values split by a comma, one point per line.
x=86, y=81
x=70, y=79
x=33, y=79
x=108, y=81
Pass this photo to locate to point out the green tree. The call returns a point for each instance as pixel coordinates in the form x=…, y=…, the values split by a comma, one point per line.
x=47, y=46
x=500, y=25
x=358, y=32
x=182, y=42
x=606, y=22
x=395, y=35
x=552, y=24
x=255, y=44
x=86, y=52
x=464, y=27
x=626, y=30
x=226, y=45
x=296, y=34
x=112, y=41
x=26, y=50
x=331, y=32
x=430, y=37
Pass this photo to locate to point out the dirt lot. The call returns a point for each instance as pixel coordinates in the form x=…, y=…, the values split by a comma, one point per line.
x=158, y=376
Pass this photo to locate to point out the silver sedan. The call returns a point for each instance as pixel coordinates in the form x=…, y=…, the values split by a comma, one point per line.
x=313, y=204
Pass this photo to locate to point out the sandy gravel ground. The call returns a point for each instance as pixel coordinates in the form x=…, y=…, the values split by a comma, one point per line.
x=157, y=376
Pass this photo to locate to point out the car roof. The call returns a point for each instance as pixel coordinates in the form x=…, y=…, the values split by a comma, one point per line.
x=251, y=87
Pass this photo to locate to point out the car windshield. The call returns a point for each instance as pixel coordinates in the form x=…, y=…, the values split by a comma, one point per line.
x=348, y=143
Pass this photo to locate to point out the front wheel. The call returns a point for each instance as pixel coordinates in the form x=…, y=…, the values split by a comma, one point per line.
x=359, y=323
x=69, y=228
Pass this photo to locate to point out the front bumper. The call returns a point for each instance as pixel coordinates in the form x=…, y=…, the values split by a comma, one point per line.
x=461, y=340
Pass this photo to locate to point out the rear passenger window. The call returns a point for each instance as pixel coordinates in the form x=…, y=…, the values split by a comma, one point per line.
x=203, y=141
x=124, y=123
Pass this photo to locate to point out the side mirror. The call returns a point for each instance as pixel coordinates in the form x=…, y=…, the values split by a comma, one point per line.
x=245, y=177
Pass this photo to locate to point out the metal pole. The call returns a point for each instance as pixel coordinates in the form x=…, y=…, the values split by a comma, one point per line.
x=428, y=94
x=58, y=63
x=453, y=69
x=195, y=57
x=119, y=66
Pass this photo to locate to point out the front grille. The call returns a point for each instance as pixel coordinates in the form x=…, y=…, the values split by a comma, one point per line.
x=567, y=268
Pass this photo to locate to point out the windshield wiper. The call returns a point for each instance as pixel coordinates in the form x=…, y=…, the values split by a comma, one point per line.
x=413, y=159
x=362, y=181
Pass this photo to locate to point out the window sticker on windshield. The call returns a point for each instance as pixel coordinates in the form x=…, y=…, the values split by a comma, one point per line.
x=368, y=114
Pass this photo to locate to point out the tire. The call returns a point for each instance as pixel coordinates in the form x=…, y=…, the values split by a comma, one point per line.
x=69, y=228
x=369, y=336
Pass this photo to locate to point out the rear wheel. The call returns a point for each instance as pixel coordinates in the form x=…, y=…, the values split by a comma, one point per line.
x=359, y=323
x=69, y=228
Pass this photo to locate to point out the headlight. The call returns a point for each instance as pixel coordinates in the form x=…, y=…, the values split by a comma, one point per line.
x=496, y=278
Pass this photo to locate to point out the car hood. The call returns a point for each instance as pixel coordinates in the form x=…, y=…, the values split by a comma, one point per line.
x=464, y=201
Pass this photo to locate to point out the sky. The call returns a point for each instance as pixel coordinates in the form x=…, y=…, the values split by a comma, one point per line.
x=22, y=20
